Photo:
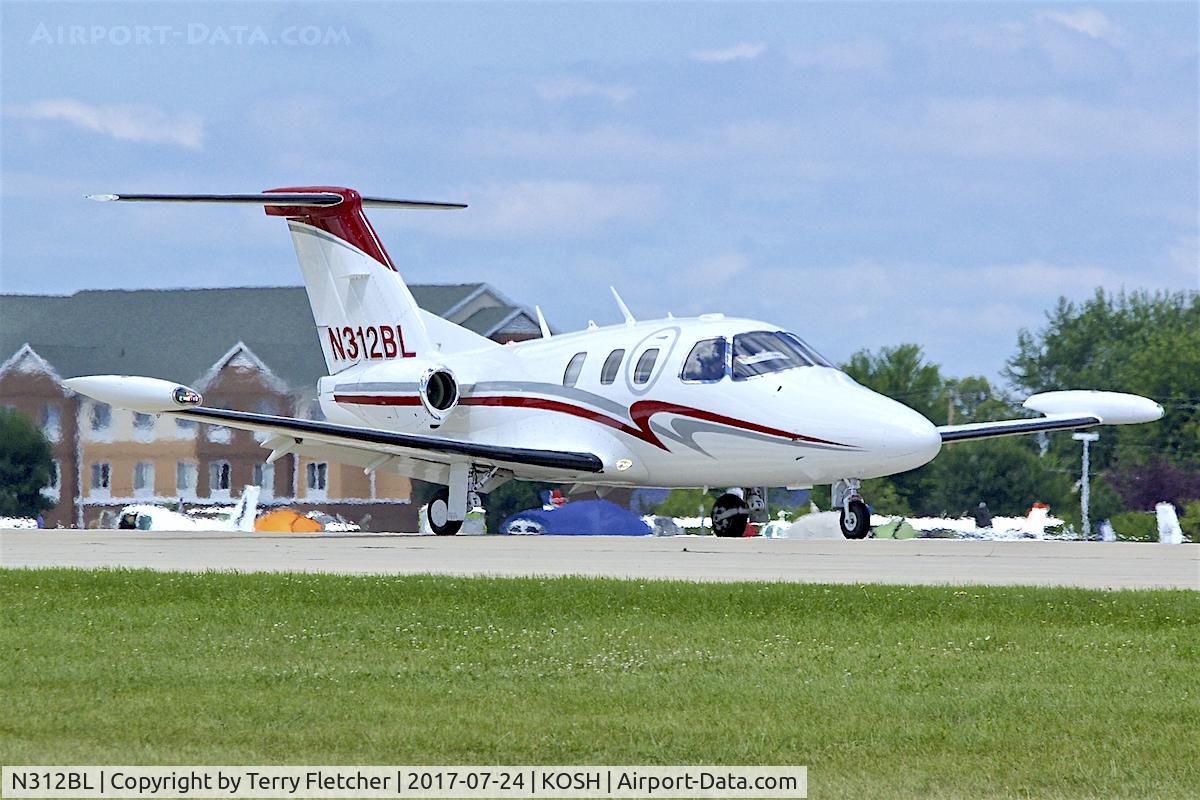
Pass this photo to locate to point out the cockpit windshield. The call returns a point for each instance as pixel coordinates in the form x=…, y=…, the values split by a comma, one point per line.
x=764, y=352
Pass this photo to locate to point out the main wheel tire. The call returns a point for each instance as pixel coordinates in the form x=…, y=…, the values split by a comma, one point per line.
x=438, y=513
x=730, y=515
x=856, y=522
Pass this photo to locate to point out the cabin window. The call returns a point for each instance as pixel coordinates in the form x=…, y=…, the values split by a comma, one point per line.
x=574, y=367
x=765, y=352
x=706, y=362
x=645, y=366
x=817, y=359
x=612, y=365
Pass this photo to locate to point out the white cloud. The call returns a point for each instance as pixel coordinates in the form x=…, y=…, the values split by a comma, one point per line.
x=1087, y=21
x=717, y=270
x=861, y=55
x=131, y=123
x=570, y=88
x=545, y=209
x=1044, y=127
x=743, y=51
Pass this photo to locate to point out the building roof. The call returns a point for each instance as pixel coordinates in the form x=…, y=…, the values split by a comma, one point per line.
x=178, y=334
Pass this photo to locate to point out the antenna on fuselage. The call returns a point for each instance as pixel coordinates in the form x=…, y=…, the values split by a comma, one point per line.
x=542, y=322
x=629, y=320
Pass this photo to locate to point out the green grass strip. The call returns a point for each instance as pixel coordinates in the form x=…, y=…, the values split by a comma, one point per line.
x=883, y=691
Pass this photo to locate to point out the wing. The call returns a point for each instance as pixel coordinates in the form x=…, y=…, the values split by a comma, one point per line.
x=1063, y=411
x=291, y=434
x=417, y=455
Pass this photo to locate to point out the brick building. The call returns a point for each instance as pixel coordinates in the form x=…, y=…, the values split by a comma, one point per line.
x=251, y=349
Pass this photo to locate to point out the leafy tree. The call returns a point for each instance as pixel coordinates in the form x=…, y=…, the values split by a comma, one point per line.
x=1144, y=343
x=903, y=374
x=25, y=466
x=509, y=498
x=1005, y=473
x=686, y=503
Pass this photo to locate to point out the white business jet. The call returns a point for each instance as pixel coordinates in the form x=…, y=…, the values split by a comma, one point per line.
x=706, y=401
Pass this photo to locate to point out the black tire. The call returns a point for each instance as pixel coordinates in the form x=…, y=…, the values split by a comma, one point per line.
x=730, y=516
x=437, y=512
x=857, y=523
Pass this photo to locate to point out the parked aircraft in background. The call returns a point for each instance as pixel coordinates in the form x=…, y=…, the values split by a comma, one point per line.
x=145, y=517
x=705, y=401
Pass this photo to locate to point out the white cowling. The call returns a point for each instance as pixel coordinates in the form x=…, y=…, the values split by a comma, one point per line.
x=439, y=392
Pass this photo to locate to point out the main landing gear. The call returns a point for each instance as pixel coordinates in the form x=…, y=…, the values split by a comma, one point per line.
x=450, y=504
x=733, y=512
x=855, y=516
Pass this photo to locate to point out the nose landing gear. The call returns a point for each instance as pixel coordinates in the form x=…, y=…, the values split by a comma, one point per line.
x=855, y=516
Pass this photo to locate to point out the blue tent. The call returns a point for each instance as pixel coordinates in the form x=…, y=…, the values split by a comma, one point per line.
x=581, y=518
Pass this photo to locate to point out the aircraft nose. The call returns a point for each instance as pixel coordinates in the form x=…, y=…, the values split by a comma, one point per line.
x=911, y=434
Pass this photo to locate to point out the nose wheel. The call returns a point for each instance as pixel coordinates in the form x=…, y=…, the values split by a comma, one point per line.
x=855, y=520
x=855, y=517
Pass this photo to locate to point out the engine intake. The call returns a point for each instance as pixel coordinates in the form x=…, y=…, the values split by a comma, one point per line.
x=439, y=392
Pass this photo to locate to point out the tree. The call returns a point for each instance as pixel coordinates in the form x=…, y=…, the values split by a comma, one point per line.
x=686, y=503
x=1008, y=474
x=25, y=466
x=1143, y=343
x=903, y=374
x=509, y=498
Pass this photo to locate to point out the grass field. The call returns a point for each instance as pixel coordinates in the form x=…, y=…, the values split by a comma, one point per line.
x=882, y=691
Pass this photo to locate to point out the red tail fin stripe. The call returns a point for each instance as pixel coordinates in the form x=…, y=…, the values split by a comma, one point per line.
x=346, y=220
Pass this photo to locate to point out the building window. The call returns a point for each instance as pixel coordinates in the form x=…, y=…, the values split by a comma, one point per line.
x=101, y=416
x=185, y=477
x=53, y=486
x=645, y=366
x=264, y=407
x=143, y=478
x=612, y=365
x=318, y=473
x=264, y=478
x=51, y=422
x=574, y=367
x=185, y=427
x=219, y=434
x=101, y=475
x=143, y=422
x=218, y=477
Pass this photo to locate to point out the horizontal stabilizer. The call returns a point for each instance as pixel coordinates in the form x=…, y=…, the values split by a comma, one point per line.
x=287, y=199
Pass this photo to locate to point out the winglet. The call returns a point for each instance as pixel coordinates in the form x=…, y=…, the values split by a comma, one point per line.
x=542, y=323
x=629, y=320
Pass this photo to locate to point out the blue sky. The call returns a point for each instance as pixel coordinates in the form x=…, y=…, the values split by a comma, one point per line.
x=862, y=174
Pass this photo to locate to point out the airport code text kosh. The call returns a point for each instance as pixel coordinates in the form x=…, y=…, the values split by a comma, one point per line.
x=408, y=781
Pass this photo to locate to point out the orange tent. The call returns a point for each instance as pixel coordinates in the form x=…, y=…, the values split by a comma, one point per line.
x=286, y=521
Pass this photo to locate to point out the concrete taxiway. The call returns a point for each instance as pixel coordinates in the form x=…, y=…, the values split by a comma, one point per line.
x=1084, y=564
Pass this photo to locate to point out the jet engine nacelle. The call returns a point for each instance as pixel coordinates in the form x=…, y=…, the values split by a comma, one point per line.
x=438, y=389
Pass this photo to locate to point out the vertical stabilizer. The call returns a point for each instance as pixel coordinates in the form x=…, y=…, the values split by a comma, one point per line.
x=361, y=305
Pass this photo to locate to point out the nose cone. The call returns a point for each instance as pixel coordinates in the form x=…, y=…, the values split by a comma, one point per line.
x=909, y=438
x=891, y=437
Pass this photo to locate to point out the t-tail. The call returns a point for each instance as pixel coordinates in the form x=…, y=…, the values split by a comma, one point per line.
x=363, y=310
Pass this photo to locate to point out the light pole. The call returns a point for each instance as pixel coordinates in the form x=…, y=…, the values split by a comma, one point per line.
x=1087, y=439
